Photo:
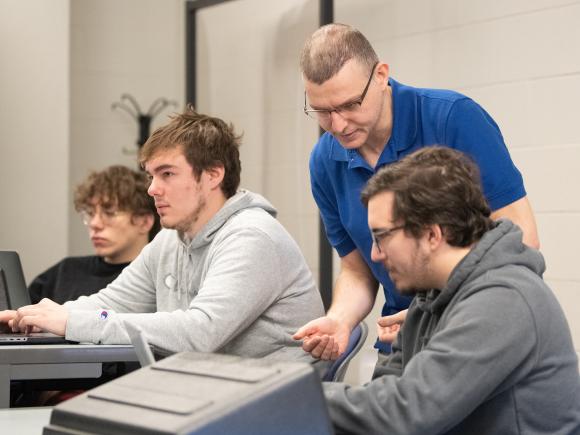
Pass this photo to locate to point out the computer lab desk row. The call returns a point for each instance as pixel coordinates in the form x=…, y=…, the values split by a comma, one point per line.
x=47, y=362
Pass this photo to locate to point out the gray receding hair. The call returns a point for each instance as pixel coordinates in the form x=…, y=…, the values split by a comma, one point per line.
x=330, y=47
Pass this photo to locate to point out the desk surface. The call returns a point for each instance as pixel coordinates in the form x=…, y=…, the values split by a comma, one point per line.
x=56, y=361
x=24, y=421
x=70, y=353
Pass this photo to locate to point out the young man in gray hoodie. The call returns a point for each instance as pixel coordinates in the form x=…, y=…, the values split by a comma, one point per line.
x=486, y=348
x=222, y=276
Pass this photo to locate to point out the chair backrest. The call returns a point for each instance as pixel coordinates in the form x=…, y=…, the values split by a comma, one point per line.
x=140, y=344
x=337, y=368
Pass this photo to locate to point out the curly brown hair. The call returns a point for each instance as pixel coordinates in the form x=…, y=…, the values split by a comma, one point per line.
x=435, y=185
x=117, y=187
x=207, y=142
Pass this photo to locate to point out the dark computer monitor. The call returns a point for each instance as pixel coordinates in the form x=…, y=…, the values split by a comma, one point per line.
x=194, y=393
x=15, y=287
x=4, y=296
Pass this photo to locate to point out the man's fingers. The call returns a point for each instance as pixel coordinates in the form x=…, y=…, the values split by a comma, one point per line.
x=318, y=351
x=335, y=353
x=7, y=315
x=310, y=343
x=388, y=334
x=27, y=323
x=331, y=353
x=328, y=350
x=389, y=321
x=305, y=331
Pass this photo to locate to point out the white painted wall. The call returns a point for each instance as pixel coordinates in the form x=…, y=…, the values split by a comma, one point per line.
x=34, y=130
x=63, y=64
x=249, y=75
x=117, y=47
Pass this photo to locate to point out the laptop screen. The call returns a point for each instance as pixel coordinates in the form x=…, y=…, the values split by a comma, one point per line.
x=14, y=284
x=4, y=299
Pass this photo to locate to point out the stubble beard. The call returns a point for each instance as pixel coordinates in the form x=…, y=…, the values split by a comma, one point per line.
x=184, y=226
x=420, y=273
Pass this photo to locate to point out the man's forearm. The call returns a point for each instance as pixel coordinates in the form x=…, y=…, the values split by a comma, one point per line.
x=353, y=296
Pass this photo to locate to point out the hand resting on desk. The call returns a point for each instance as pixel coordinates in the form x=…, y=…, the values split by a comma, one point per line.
x=45, y=316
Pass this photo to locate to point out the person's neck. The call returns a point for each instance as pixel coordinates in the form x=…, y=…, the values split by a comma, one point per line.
x=128, y=255
x=214, y=204
x=377, y=141
x=447, y=260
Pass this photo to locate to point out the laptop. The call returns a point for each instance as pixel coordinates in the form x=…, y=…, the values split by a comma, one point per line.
x=13, y=295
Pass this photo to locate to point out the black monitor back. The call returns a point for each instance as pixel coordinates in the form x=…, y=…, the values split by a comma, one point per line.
x=194, y=393
x=12, y=284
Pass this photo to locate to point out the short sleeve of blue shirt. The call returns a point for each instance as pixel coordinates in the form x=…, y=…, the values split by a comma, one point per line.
x=470, y=129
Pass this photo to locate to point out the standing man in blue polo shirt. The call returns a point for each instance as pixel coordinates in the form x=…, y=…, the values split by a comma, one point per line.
x=371, y=121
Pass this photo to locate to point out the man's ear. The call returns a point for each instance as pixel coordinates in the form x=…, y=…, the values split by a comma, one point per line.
x=144, y=222
x=434, y=235
x=215, y=176
x=382, y=73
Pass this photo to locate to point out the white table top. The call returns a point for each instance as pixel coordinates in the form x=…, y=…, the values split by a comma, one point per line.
x=24, y=421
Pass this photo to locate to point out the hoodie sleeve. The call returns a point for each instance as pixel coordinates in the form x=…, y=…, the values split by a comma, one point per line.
x=242, y=279
x=132, y=291
x=464, y=363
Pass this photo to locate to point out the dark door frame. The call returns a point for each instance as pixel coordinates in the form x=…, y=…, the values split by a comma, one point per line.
x=326, y=16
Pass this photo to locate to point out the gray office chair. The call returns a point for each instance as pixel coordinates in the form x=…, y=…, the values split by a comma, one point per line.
x=337, y=369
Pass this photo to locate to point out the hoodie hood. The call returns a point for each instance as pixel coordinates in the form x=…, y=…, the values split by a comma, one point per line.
x=242, y=200
x=499, y=247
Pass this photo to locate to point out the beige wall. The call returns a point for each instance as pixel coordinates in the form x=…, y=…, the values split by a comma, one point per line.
x=34, y=129
x=63, y=64
x=119, y=46
x=249, y=76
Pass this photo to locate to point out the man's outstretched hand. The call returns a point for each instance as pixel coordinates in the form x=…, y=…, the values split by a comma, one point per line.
x=323, y=338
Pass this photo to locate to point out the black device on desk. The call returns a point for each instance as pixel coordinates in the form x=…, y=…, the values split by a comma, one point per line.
x=195, y=393
x=13, y=295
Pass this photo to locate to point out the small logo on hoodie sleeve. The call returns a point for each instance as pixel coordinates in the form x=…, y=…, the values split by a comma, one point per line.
x=104, y=314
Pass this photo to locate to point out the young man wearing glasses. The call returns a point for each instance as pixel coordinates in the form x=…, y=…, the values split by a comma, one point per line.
x=222, y=276
x=486, y=348
x=121, y=219
x=371, y=121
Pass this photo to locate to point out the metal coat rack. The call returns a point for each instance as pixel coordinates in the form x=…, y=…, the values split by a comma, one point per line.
x=129, y=104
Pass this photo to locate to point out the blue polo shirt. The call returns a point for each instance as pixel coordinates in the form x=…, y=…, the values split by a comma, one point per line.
x=421, y=117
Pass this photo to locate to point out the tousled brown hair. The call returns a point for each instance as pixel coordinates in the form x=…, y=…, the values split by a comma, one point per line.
x=435, y=185
x=207, y=142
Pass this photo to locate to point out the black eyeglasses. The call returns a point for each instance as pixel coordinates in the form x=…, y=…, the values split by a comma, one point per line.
x=346, y=109
x=379, y=236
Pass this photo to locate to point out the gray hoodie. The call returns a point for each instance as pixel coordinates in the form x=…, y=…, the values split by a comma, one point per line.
x=491, y=353
x=241, y=287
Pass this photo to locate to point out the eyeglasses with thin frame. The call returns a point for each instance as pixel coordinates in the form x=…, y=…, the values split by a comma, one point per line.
x=107, y=215
x=344, y=110
x=379, y=236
